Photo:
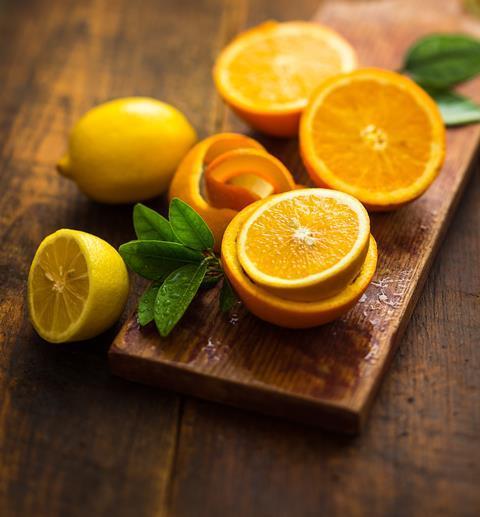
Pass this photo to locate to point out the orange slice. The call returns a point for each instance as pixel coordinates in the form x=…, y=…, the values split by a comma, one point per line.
x=238, y=178
x=374, y=134
x=305, y=244
x=267, y=74
x=188, y=184
x=288, y=313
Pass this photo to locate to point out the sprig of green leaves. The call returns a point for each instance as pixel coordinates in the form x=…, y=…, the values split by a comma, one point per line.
x=438, y=63
x=177, y=254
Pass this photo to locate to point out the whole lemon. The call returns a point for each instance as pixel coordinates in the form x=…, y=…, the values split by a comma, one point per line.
x=127, y=150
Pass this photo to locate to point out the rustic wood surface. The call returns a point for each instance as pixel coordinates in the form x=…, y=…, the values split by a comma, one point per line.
x=76, y=441
x=329, y=375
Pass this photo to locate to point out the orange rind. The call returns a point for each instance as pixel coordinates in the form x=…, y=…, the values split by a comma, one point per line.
x=240, y=177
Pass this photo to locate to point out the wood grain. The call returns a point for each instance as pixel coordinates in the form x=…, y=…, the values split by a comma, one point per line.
x=329, y=375
x=75, y=440
x=417, y=457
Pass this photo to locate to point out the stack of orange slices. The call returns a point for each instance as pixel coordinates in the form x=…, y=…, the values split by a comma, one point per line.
x=301, y=258
x=223, y=174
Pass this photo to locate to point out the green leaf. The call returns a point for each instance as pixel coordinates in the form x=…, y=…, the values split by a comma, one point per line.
x=155, y=260
x=150, y=225
x=443, y=60
x=146, y=304
x=228, y=298
x=176, y=294
x=456, y=109
x=189, y=227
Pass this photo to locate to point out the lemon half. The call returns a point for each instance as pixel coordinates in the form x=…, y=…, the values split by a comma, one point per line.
x=77, y=286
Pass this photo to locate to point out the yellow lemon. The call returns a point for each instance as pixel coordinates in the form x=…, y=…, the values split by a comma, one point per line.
x=127, y=150
x=77, y=286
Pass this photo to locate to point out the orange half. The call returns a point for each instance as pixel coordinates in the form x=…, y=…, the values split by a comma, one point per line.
x=267, y=73
x=374, y=134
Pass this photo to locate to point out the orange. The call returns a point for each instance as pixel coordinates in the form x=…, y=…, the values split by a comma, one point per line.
x=277, y=310
x=267, y=73
x=374, y=134
x=238, y=171
x=305, y=244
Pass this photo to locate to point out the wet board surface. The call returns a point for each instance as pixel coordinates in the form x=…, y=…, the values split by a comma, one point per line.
x=325, y=376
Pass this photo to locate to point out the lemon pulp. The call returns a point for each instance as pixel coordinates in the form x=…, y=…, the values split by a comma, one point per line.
x=61, y=285
x=77, y=286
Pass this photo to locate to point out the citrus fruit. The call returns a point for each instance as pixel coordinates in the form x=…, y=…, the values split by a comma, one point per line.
x=279, y=311
x=267, y=73
x=77, y=286
x=374, y=134
x=127, y=150
x=239, y=171
x=305, y=244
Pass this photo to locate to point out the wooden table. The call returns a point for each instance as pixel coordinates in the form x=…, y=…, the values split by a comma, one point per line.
x=74, y=440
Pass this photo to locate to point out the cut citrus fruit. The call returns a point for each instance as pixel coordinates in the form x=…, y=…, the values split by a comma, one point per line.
x=77, y=286
x=277, y=310
x=238, y=171
x=305, y=244
x=238, y=178
x=267, y=73
x=374, y=134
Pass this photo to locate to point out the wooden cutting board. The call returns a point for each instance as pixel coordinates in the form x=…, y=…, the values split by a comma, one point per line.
x=326, y=376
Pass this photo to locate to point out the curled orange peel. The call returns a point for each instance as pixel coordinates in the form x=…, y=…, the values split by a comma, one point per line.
x=240, y=177
x=188, y=184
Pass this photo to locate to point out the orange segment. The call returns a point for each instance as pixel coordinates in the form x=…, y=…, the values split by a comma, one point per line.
x=238, y=178
x=374, y=134
x=188, y=184
x=288, y=313
x=305, y=244
x=268, y=73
